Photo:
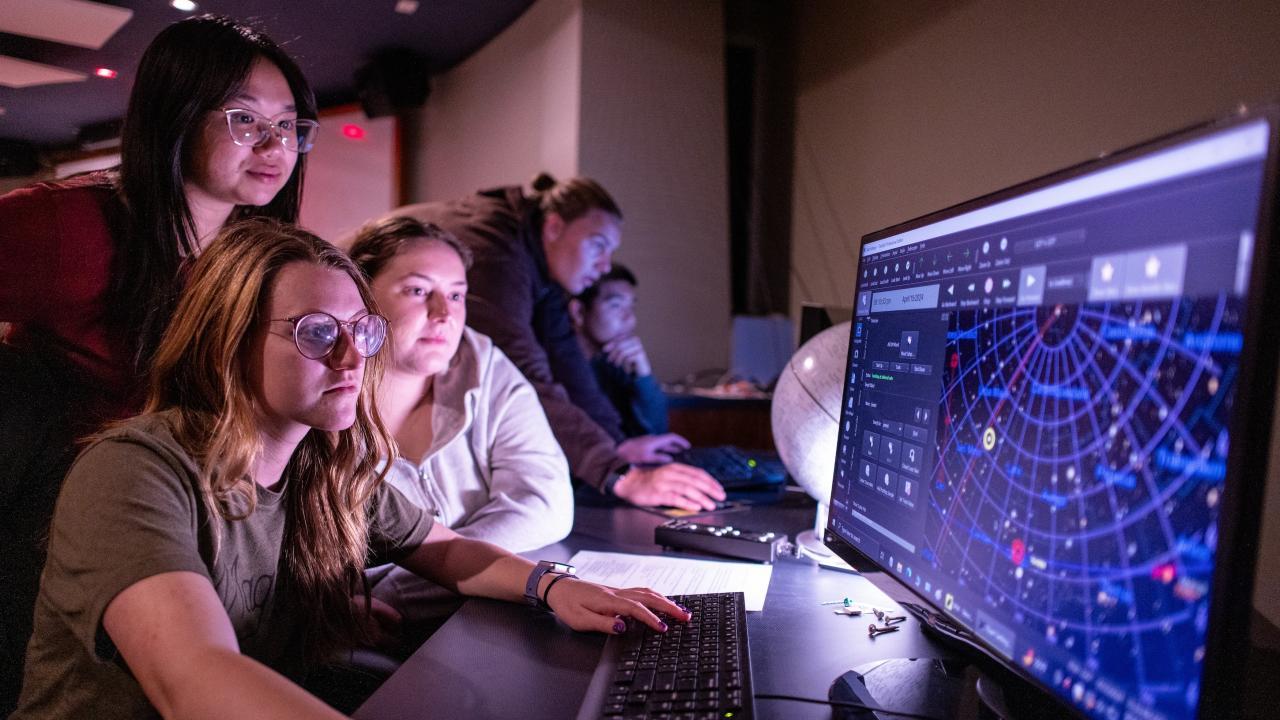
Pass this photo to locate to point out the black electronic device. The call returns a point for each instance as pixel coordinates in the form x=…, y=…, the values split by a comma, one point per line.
x=736, y=469
x=701, y=668
x=394, y=81
x=1050, y=396
x=815, y=318
x=720, y=539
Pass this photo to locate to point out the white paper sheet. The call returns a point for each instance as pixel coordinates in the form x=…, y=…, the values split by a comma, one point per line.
x=676, y=576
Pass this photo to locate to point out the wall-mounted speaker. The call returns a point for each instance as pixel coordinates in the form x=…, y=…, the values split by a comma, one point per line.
x=393, y=81
x=18, y=159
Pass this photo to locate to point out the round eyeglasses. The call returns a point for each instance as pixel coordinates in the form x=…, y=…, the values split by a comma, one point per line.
x=316, y=334
x=249, y=129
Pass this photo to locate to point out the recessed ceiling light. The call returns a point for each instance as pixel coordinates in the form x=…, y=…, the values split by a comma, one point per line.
x=406, y=7
x=183, y=5
x=107, y=73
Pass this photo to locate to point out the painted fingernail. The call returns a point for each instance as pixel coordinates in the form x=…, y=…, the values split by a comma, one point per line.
x=662, y=625
x=619, y=627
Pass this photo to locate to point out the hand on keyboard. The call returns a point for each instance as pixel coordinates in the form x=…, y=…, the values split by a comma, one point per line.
x=674, y=485
x=700, y=669
x=586, y=606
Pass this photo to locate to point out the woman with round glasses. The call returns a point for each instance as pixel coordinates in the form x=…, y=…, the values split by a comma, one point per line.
x=217, y=122
x=475, y=448
x=203, y=553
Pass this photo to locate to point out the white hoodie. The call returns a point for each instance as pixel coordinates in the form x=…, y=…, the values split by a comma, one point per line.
x=494, y=471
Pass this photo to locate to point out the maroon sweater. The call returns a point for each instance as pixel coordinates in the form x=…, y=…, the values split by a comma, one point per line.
x=57, y=249
x=512, y=299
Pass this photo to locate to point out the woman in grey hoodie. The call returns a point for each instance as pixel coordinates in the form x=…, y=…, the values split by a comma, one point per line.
x=475, y=448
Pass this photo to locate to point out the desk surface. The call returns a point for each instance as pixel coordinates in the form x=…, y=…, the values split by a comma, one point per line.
x=502, y=660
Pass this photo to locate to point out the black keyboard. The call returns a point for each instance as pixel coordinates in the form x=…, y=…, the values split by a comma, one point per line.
x=699, y=670
x=736, y=468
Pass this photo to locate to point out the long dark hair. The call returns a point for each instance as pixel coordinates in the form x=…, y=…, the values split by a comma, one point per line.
x=189, y=69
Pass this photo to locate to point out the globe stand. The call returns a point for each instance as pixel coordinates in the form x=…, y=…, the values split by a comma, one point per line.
x=809, y=543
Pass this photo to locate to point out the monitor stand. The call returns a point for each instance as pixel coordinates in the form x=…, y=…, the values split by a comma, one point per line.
x=935, y=688
x=929, y=687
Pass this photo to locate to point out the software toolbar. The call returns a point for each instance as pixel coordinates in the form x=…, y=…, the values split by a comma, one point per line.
x=1051, y=269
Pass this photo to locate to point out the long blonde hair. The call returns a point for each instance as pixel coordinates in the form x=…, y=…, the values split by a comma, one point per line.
x=199, y=372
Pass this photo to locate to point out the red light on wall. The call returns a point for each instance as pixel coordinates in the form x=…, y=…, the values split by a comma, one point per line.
x=107, y=73
x=355, y=132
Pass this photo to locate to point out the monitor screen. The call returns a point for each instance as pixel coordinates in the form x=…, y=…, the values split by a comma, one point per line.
x=1041, y=393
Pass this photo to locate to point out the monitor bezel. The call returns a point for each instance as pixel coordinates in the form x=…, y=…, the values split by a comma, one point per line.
x=1230, y=608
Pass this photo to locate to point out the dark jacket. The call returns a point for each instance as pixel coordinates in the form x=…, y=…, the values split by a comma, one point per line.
x=513, y=299
x=639, y=400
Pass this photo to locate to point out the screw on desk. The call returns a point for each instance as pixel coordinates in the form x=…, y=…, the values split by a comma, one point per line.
x=873, y=631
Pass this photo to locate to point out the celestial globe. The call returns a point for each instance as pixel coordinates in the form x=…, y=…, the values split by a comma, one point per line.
x=806, y=418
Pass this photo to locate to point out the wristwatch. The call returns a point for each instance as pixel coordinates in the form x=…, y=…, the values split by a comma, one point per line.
x=542, y=568
x=613, y=477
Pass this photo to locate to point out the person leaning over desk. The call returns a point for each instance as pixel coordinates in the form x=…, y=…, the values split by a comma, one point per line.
x=475, y=448
x=205, y=550
x=530, y=250
x=217, y=122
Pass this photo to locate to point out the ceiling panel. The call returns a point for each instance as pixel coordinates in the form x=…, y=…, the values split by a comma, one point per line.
x=72, y=22
x=15, y=73
x=329, y=39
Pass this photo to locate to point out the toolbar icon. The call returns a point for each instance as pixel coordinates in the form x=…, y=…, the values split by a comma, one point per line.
x=1031, y=285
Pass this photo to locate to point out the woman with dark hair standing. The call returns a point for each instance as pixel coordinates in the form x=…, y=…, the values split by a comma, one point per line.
x=533, y=250
x=203, y=552
x=218, y=121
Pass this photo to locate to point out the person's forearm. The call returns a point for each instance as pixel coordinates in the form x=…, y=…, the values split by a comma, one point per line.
x=470, y=567
x=227, y=684
x=649, y=404
x=519, y=526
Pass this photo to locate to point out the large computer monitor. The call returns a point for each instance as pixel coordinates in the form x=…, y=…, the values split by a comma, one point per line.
x=1057, y=404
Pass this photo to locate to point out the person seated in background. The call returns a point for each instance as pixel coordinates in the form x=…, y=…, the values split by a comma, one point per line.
x=605, y=319
x=530, y=250
x=203, y=553
x=475, y=449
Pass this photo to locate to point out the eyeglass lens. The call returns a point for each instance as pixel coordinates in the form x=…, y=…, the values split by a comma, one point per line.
x=250, y=129
x=317, y=334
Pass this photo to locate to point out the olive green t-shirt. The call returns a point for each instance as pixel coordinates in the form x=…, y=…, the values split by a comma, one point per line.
x=131, y=508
